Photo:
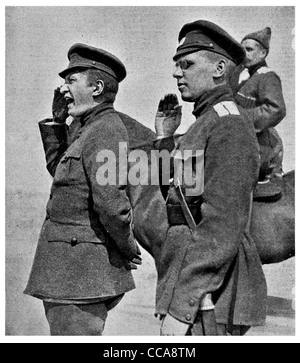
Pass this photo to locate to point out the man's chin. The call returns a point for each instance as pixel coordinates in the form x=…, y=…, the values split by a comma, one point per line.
x=249, y=64
x=187, y=98
x=74, y=113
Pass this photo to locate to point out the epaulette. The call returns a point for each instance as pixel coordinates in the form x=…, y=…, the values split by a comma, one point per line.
x=226, y=108
x=264, y=70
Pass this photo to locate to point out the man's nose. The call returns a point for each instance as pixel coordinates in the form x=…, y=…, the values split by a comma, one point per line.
x=64, y=88
x=248, y=55
x=177, y=73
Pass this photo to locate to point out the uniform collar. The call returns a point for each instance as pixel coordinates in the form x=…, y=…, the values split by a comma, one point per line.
x=89, y=115
x=211, y=98
x=256, y=67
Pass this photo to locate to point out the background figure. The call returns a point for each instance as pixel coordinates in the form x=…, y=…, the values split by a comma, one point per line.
x=210, y=278
x=258, y=90
x=86, y=250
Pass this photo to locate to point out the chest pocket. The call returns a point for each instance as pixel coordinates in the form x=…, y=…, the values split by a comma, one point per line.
x=70, y=168
x=72, y=153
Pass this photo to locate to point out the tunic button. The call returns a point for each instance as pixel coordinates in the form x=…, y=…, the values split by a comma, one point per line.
x=74, y=241
x=192, y=303
x=188, y=317
x=93, y=62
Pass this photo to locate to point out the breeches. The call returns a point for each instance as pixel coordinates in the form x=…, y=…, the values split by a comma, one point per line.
x=78, y=319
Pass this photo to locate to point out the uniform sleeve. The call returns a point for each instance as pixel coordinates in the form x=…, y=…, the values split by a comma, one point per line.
x=231, y=164
x=55, y=142
x=166, y=144
x=272, y=106
x=110, y=201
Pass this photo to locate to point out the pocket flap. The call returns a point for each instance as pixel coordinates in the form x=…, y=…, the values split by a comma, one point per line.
x=74, y=234
x=73, y=152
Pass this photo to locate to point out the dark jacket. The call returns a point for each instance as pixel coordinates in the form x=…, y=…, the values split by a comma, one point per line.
x=261, y=96
x=219, y=257
x=86, y=239
x=262, y=99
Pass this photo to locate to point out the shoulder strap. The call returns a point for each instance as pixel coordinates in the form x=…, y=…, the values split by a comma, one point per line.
x=226, y=108
x=264, y=70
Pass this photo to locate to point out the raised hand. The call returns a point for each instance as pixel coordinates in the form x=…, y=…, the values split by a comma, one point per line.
x=168, y=116
x=59, y=107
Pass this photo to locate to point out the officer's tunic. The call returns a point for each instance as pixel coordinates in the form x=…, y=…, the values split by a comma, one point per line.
x=86, y=238
x=261, y=97
x=219, y=257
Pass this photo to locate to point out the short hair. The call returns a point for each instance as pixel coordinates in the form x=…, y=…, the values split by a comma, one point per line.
x=215, y=57
x=111, y=85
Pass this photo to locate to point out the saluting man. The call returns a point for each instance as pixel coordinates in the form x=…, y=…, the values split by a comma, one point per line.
x=86, y=250
x=210, y=279
x=258, y=90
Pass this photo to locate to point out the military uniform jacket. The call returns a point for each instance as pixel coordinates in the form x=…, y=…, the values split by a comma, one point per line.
x=261, y=96
x=262, y=99
x=219, y=256
x=86, y=239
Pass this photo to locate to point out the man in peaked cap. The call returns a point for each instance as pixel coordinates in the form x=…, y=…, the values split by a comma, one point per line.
x=210, y=278
x=258, y=90
x=86, y=250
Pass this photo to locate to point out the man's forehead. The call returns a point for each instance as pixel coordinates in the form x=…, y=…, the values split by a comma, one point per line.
x=76, y=73
x=250, y=43
x=190, y=57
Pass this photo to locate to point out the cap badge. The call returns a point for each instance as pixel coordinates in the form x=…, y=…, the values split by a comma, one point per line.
x=182, y=41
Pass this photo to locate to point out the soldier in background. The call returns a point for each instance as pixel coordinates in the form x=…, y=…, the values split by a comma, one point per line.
x=258, y=90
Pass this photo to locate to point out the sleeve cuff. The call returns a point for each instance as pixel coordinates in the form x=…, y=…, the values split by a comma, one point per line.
x=51, y=123
x=185, y=307
x=52, y=131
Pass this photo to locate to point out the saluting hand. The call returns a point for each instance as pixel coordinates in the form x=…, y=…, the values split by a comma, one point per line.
x=59, y=107
x=168, y=116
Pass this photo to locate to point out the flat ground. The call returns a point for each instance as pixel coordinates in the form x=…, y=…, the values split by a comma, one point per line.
x=134, y=315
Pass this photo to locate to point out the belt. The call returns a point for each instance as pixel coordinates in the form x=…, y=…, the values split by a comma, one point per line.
x=176, y=216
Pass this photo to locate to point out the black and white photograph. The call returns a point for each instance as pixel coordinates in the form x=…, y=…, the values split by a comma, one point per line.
x=149, y=172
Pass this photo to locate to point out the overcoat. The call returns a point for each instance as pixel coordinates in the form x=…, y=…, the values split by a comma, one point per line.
x=219, y=256
x=86, y=239
x=261, y=97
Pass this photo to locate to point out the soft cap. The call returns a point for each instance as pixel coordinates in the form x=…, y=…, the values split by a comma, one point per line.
x=82, y=55
x=262, y=36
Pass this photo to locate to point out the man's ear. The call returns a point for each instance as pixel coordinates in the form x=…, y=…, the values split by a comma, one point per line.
x=220, y=69
x=263, y=53
x=98, y=88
